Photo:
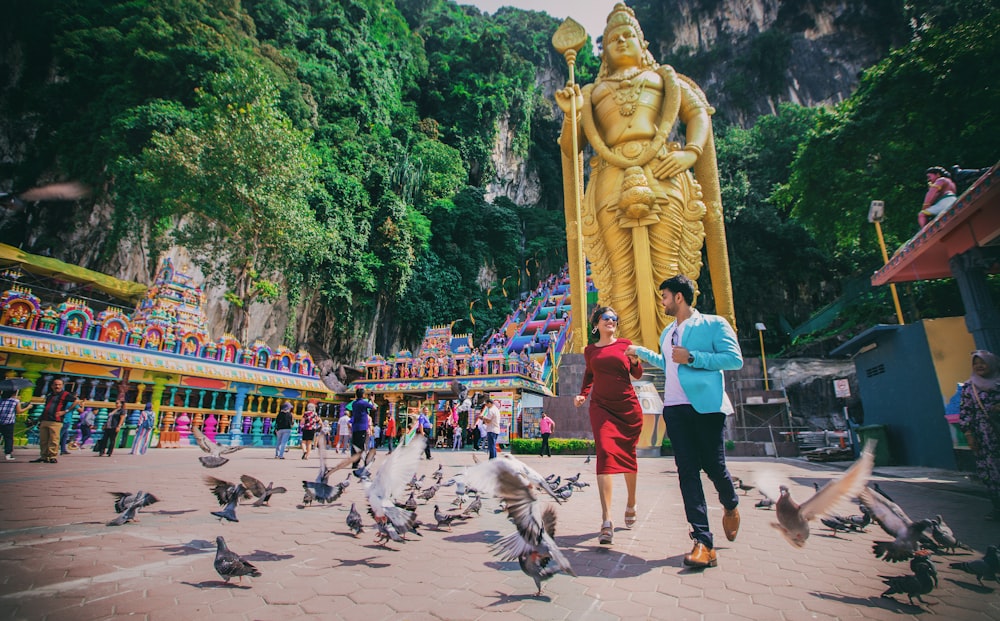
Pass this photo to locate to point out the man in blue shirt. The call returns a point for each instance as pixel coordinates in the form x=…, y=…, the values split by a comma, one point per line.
x=694, y=351
x=361, y=411
x=424, y=424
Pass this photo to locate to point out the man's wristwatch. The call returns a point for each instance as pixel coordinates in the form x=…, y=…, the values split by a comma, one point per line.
x=690, y=358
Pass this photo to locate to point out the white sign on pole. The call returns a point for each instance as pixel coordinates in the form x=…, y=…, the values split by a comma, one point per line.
x=841, y=388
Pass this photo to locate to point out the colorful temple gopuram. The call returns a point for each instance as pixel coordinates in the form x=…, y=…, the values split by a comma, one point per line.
x=162, y=354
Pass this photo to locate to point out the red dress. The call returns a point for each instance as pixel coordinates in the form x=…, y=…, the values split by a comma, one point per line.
x=615, y=413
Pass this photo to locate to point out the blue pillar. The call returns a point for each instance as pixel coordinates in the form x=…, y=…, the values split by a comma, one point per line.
x=236, y=422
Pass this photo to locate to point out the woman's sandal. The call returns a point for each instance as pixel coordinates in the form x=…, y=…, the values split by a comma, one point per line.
x=630, y=517
x=607, y=534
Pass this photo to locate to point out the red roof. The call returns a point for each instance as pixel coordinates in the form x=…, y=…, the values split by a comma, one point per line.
x=973, y=221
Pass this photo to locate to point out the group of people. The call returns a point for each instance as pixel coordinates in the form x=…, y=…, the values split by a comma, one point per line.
x=55, y=429
x=694, y=350
x=355, y=430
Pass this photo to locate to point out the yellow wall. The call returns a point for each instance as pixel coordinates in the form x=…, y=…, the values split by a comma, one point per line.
x=951, y=348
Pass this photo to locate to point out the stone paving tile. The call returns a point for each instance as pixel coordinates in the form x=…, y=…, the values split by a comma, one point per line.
x=58, y=560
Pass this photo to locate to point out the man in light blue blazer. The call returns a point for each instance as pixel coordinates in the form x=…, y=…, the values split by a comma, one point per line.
x=694, y=351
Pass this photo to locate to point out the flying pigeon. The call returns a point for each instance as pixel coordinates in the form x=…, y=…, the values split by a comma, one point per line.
x=354, y=521
x=215, y=458
x=895, y=523
x=532, y=544
x=391, y=521
x=224, y=490
x=257, y=488
x=127, y=505
x=986, y=567
x=793, y=519
x=922, y=582
x=230, y=565
x=229, y=511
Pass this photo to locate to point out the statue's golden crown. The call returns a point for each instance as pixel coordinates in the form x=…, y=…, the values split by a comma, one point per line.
x=622, y=15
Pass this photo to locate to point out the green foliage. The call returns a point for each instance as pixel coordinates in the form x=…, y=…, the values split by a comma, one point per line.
x=559, y=446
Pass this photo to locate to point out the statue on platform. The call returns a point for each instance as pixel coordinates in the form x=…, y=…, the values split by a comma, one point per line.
x=644, y=216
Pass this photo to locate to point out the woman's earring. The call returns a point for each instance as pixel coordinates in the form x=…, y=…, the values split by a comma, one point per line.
x=593, y=330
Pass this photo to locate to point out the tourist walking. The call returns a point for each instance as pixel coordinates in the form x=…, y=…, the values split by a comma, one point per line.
x=143, y=430
x=360, y=421
x=311, y=424
x=390, y=432
x=10, y=407
x=545, y=427
x=283, y=429
x=979, y=418
x=490, y=418
x=109, y=433
x=694, y=351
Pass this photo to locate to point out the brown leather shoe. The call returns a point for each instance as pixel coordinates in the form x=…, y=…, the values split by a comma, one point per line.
x=731, y=523
x=701, y=556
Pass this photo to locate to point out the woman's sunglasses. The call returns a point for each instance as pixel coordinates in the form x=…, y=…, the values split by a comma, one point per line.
x=609, y=317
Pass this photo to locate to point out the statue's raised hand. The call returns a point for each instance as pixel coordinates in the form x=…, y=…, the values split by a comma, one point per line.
x=565, y=96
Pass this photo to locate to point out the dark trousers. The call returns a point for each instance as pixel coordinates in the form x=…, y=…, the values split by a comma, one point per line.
x=545, y=445
x=107, y=441
x=427, y=446
x=359, y=441
x=7, y=432
x=64, y=437
x=491, y=444
x=698, y=445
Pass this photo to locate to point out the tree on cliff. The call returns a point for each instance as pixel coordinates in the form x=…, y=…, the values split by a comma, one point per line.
x=236, y=183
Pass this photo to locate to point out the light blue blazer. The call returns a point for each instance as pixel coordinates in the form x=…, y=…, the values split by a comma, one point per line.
x=712, y=342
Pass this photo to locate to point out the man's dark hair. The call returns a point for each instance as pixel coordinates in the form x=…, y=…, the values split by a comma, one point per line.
x=359, y=393
x=680, y=284
x=489, y=401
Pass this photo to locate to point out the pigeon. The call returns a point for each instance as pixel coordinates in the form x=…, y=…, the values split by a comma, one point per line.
x=895, y=523
x=564, y=493
x=743, y=486
x=215, y=457
x=354, y=521
x=579, y=484
x=861, y=522
x=224, y=490
x=944, y=536
x=127, y=505
x=986, y=567
x=837, y=524
x=482, y=477
x=532, y=544
x=444, y=520
x=878, y=489
x=793, y=519
x=764, y=503
x=428, y=493
x=323, y=492
x=438, y=474
x=922, y=582
x=256, y=487
x=587, y=461
x=229, y=511
x=474, y=507
x=574, y=478
x=230, y=565
x=411, y=502
x=391, y=521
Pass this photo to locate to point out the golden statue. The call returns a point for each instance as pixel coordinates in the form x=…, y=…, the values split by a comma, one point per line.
x=644, y=216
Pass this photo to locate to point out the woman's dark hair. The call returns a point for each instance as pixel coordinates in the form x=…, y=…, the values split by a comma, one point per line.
x=938, y=170
x=595, y=317
x=680, y=284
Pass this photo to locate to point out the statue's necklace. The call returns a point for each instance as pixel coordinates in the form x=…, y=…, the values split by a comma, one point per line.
x=628, y=91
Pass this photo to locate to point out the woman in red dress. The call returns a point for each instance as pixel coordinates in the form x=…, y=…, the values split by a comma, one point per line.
x=615, y=413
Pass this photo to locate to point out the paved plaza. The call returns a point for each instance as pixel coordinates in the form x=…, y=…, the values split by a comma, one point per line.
x=58, y=560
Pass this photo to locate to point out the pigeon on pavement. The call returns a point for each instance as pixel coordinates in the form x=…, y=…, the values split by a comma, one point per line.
x=793, y=519
x=922, y=582
x=257, y=488
x=743, y=486
x=474, y=507
x=127, y=505
x=986, y=567
x=230, y=565
x=944, y=536
x=215, y=458
x=354, y=521
x=444, y=520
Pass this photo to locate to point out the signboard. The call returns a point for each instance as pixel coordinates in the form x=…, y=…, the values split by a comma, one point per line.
x=842, y=388
x=504, y=401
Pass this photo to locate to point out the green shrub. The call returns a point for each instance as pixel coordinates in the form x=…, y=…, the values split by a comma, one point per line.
x=559, y=446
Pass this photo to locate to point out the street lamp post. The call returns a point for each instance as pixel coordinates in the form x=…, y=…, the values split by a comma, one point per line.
x=763, y=361
x=876, y=211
